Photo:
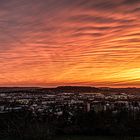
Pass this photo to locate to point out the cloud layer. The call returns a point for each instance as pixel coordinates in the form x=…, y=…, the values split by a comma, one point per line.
x=78, y=42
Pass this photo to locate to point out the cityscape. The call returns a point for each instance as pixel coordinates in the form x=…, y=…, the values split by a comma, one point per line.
x=69, y=110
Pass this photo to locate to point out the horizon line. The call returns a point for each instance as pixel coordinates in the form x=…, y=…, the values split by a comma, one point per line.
x=68, y=86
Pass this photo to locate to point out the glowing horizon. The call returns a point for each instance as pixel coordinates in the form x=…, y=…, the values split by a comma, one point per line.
x=70, y=42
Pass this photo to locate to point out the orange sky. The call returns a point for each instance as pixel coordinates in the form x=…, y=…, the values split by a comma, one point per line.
x=70, y=42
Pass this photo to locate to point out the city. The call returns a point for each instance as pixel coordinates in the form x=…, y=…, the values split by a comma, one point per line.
x=102, y=112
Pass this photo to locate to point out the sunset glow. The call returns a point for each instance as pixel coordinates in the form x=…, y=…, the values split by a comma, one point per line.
x=70, y=42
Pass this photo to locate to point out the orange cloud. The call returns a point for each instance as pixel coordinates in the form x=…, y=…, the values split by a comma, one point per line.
x=77, y=42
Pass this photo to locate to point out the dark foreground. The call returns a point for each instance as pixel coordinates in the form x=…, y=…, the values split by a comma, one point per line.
x=44, y=114
x=88, y=138
x=95, y=138
x=24, y=126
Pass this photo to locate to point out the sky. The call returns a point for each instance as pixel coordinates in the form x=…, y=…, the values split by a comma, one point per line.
x=70, y=42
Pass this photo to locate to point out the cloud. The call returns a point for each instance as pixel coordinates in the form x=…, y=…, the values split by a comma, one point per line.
x=68, y=41
x=98, y=19
x=131, y=2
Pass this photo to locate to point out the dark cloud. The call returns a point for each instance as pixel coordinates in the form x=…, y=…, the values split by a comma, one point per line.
x=97, y=19
x=129, y=2
x=92, y=28
x=136, y=10
x=100, y=5
x=88, y=18
x=87, y=34
x=103, y=28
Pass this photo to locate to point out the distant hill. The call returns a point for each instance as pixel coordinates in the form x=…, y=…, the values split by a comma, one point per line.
x=69, y=89
x=62, y=89
x=17, y=89
x=79, y=89
x=122, y=90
